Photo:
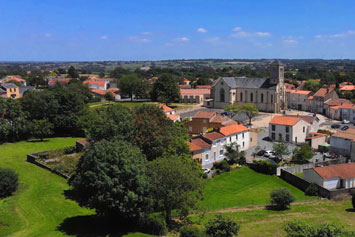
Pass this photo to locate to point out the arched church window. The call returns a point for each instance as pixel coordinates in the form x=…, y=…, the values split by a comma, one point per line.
x=241, y=96
x=251, y=97
x=262, y=98
x=221, y=95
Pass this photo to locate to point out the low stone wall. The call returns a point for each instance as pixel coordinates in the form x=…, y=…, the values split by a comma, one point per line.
x=31, y=158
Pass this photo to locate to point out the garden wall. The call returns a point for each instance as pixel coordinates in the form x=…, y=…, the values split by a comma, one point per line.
x=31, y=158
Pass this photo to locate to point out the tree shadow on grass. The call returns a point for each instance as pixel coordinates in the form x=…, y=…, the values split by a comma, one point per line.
x=37, y=140
x=350, y=210
x=94, y=225
x=275, y=208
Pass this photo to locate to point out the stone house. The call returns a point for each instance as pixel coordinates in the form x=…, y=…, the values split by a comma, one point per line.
x=195, y=96
x=316, y=102
x=332, y=176
x=268, y=94
x=297, y=99
x=331, y=107
x=343, y=143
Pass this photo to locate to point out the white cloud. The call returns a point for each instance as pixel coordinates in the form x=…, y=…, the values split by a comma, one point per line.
x=182, y=39
x=338, y=35
x=237, y=28
x=318, y=36
x=146, y=33
x=290, y=41
x=263, y=34
x=202, y=30
x=138, y=39
x=212, y=40
x=241, y=34
x=48, y=35
x=104, y=37
x=263, y=45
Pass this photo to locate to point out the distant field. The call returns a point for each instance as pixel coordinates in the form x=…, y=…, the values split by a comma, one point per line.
x=244, y=187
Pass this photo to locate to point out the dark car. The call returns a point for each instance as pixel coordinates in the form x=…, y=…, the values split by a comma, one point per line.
x=335, y=125
x=345, y=128
x=226, y=114
x=261, y=153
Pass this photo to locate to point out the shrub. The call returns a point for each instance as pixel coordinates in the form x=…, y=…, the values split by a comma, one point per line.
x=312, y=190
x=281, y=198
x=70, y=150
x=221, y=166
x=8, y=182
x=222, y=227
x=192, y=231
x=43, y=156
x=264, y=166
x=353, y=198
x=154, y=224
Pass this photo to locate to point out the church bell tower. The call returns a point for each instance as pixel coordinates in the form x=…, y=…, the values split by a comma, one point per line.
x=276, y=72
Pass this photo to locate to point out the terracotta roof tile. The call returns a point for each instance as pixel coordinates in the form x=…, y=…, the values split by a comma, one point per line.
x=333, y=102
x=165, y=108
x=99, y=91
x=195, y=91
x=322, y=92
x=58, y=80
x=347, y=88
x=99, y=83
x=347, y=106
x=219, y=119
x=300, y=92
x=232, y=129
x=344, y=171
x=197, y=144
x=284, y=120
x=173, y=116
x=204, y=114
x=213, y=136
x=348, y=134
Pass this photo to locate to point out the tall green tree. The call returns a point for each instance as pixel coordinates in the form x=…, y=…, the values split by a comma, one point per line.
x=41, y=128
x=233, y=154
x=232, y=109
x=222, y=226
x=176, y=184
x=302, y=154
x=280, y=148
x=72, y=72
x=250, y=110
x=131, y=85
x=110, y=178
x=166, y=89
x=312, y=85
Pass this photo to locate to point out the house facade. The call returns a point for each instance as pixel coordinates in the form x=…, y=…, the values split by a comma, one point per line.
x=316, y=102
x=195, y=96
x=268, y=95
x=297, y=99
x=333, y=176
x=9, y=90
x=343, y=143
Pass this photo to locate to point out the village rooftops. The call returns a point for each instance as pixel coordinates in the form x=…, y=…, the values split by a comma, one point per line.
x=197, y=144
x=348, y=134
x=300, y=92
x=232, y=129
x=58, y=80
x=344, y=171
x=333, y=102
x=322, y=92
x=213, y=136
x=347, y=88
x=246, y=82
x=204, y=115
x=9, y=85
x=165, y=108
x=195, y=91
x=285, y=120
x=99, y=83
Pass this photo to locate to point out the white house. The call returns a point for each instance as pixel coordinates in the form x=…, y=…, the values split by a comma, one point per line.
x=238, y=134
x=343, y=142
x=333, y=176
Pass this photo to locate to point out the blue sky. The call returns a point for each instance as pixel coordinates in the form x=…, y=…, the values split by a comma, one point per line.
x=75, y=30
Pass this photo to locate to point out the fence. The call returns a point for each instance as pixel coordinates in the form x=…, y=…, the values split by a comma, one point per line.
x=31, y=158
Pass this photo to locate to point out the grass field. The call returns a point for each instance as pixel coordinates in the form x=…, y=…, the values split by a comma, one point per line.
x=243, y=187
x=39, y=206
x=264, y=223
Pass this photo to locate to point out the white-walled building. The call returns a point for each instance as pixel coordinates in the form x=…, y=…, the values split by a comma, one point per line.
x=297, y=99
x=343, y=143
x=333, y=176
x=237, y=134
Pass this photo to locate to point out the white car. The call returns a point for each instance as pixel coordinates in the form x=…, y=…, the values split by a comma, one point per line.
x=206, y=170
x=268, y=153
x=346, y=121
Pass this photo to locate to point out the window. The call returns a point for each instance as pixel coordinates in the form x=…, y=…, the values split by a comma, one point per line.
x=262, y=98
x=296, y=139
x=230, y=139
x=190, y=128
x=280, y=136
x=273, y=136
x=273, y=127
x=221, y=152
x=206, y=157
x=271, y=99
x=287, y=138
x=304, y=129
x=242, y=135
x=243, y=144
x=251, y=97
x=221, y=95
x=204, y=129
x=287, y=129
x=236, y=137
x=241, y=96
x=204, y=121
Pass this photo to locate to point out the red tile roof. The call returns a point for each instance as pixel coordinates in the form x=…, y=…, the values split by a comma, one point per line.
x=197, y=144
x=348, y=134
x=204, y=87
x=347, y=106
x=165, y=108
x=300, y=92
x=195, y=91
x=310, y=98
x=186, y=80
x=284, y=120
x=99, y=91
x=232, y=129
x=344, y=171
x=173, y=116
x=219, y=119
x=322, y=92
x=15, y=78
x=58, y=80
x=204, y=114
x=347, y=88
x=213, y=136
x=333, y=102
x=99, y=83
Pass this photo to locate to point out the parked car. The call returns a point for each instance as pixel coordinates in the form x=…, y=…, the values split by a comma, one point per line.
x=346, y=121
x=261, y=153
x=226, y=113
x=345, y=128
x=269, y=154
x=328, y=155
x=206, y=170
x=335, y=125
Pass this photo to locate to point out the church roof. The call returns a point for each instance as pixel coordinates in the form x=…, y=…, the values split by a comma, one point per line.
x=276, y=62
x=248, y=82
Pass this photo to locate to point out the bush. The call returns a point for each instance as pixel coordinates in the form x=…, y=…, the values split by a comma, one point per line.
x=264, y=166
x=221, y=167
x=154, y=224
x=8, y=182
x=353, y=198
x=281, y=198
x=70, y=150
x=222, y=227
x=312, y=190
x=43, y=156
x=192, y=231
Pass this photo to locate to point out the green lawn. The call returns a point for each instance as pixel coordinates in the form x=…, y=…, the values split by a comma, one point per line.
x=265, y=223
x=39, y=206
x=243, y=187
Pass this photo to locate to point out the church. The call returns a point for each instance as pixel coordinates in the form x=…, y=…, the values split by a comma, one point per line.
x=268, y=94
